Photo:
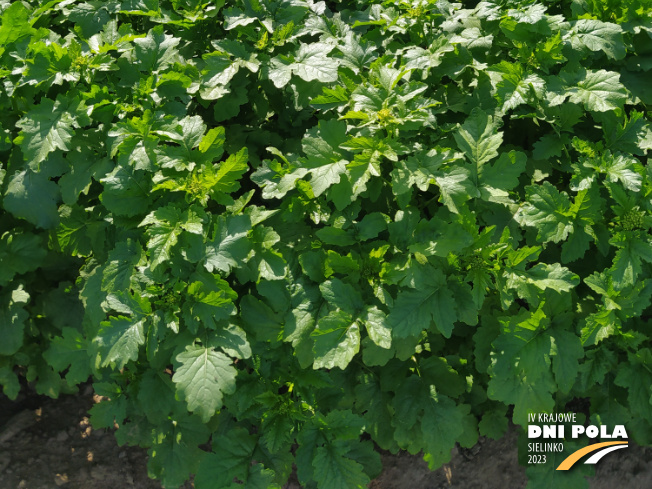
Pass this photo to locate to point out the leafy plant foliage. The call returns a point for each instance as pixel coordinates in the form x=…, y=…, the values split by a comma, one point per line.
x=294, y=229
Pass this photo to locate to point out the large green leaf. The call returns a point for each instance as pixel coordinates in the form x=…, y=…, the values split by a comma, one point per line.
x=598, y=36
x=521, y=372
x=119, y=340
x=155, y=51
x=33, y=197
x=310, y=63
x=12, y=320
x=598, y=91
x=546, y=210
x=70, y=352
x=478, y=139
x=337, y=340
x=164, y=227
x=50, y=126
x=229, y=245
x=19, y=254
x=126, y=191
x=204, y=376
x=334, y=470
x=415, y=310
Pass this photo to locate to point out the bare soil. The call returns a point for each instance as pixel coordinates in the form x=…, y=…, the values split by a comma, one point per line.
x=47, y=443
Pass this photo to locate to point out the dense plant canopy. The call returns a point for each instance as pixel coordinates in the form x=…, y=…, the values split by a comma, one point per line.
x=297, y=229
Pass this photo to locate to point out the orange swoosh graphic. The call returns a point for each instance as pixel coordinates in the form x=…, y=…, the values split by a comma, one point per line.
x=575, y=456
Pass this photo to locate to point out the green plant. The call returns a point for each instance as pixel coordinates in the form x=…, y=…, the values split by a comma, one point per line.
x=295, y=229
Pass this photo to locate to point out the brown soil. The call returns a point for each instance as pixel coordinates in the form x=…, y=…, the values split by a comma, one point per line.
x=57, y=447
x=47, y=443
